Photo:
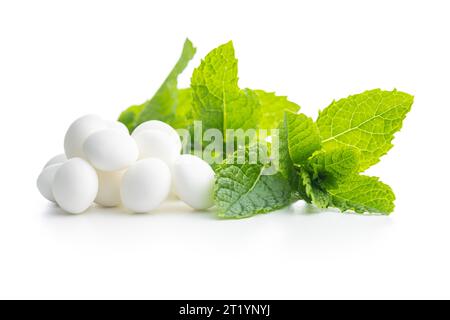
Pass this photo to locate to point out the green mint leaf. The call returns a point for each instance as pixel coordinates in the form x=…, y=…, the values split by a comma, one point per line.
x=362, y=194
x=241, y=190
x=366, y=121
x=130, y=115
x=217, y=100
x=163, y=105
x=183, y=115
x=336, y=164
x=272, y=109
x=169, y=104
x=312, y=192
x=303, y=137
x=297, y=140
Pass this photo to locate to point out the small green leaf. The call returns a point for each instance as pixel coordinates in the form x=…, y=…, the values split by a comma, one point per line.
x=336, y=164
x=366, y=121
x=312, y=192
x=303, y=137
x=362, y=194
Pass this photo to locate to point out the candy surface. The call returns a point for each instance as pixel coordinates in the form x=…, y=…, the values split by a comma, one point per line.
x=117, y=125
x=157, y=144
x=110, y=150
x=108, y=194
x=78, y=132
x=145, y=185
x=60, y=158
x=159, y=126
x=45, y=181
x=75, y=185
x=193, y=179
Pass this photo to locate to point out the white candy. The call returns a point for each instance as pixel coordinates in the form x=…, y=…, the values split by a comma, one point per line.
x=145, y=185
x=159, y=126
x=194, y=181
x=109, y=188
x=60, y=158
x=77, y=133
x=110, y=150
x=157, y=144
x=45, y=181
x=117, y=125
x=75, y=185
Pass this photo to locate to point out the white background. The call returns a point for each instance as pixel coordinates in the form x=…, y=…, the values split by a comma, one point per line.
x=62, y=59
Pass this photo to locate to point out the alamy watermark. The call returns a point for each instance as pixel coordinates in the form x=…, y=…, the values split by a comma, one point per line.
x=237, y=146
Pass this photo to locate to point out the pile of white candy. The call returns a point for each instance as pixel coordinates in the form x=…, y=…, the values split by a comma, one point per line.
x=104, y=164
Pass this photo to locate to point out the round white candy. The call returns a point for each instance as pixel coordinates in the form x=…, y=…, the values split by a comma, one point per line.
x=77, y=133
x=60, y=158
x=75, y=185
x=157, y=144
x=159, y=126
x=145, y=185
x=109, y=188
x=110, y=150
x=193, y=179
x=117, y=125
x=45, y=181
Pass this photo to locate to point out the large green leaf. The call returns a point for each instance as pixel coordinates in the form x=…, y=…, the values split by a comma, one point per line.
x=242, y=190
x=365, y=121
x=217, y=99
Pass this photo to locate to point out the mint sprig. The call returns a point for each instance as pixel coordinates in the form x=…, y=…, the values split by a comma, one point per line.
x=354, y=132
x=319, y=161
